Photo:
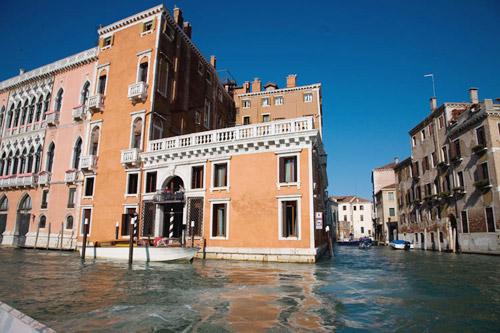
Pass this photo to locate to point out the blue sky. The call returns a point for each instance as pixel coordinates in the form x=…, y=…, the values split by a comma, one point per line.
x=370, y=57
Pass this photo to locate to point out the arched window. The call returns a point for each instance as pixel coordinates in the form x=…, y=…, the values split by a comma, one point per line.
x=38, y=158
x=143, y=70
x=15, y=163
x=50, y=157
x=94, y=141
x=42, y=222
x=46, y=104
x=2, y=116
x=101, y=85
x=69, y=222
x=23, y=161
x=17, y=112
x=31, y=157
x=3, y=163
x=8, y=170
x=24, y=112
x=31, y=111
x=25, y=203
x=84, y=95
x=4, y=204
x=77, y=151
x=39, y=105
x=59, y=100
x=137, y=133
x=9, y=116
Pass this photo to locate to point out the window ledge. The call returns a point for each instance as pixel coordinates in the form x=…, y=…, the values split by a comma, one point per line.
x=105, y=47
x=289, y=238
x=294, y=184
x=219, y=189
x=218, y=238
x=144, y=33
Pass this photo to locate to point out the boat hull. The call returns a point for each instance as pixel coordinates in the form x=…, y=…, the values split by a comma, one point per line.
x=400, y=246
x=147, y=254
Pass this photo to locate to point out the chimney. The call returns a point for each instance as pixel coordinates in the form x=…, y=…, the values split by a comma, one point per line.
x=433, y=103
x=473, y=95
x=187, y=29
x=291, y=81
x=21, y=71
x=178, y=16
x=270, y=86
x=246, y=87
x=256, y=85
x=213, y=61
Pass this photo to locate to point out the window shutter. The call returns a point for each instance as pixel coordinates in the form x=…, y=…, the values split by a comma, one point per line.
x=112, y=39
x=124, y=230
x=282, y=170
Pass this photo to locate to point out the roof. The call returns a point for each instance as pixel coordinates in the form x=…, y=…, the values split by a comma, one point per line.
x=348, y=199
x=388, y=187
x=387, y=166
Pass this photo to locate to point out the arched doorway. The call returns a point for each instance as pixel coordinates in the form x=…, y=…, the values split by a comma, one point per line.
x=171, y=201
x=4, y=207
x=23, y=219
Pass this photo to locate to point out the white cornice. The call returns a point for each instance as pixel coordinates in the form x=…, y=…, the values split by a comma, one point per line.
x=65, y=63
x=131, y=19
x=279, y=91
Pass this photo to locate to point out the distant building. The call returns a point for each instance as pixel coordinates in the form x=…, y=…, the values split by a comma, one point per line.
x=449, y=189
x=354, y=217
x=384, y=202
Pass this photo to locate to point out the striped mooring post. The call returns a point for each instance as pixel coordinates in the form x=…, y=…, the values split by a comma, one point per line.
x=171, y=226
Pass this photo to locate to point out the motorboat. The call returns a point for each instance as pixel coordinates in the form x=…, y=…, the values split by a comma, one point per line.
x=400, y=244
x=142, y=253
x=365, y=243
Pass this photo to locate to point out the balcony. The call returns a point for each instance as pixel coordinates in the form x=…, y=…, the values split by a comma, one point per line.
x=44, y=178
x=28, y=180
x=459, y=191
x=138, y=91
x=78, y=112
x=88, y=162
x=52, y=118
x=166, y=197
x=130, y=157
x=71, y=176
x=483, y=185
x=95, y=103
x=479, y=149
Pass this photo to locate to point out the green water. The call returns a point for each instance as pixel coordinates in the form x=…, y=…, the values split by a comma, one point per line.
x=375, y=290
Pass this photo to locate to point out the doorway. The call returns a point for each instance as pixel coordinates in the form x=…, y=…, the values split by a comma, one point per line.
x=173, y=210
x=23, y=220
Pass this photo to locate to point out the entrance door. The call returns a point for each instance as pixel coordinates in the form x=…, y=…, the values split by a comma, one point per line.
x=174, y=210
x=23, y=220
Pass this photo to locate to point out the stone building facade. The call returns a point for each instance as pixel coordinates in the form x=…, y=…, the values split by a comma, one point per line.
x=448, y=190
x=354, y=217
x=384, y=202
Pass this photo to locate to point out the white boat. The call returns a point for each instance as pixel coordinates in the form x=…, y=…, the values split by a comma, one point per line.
x=142, y=253
x=401, y=245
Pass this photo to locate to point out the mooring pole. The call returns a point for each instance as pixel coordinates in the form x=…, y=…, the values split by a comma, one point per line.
x=192, y=233
x=85, y=230
x=37, y=233
x=131, y=241
x=171, y=226
x=62, y=235
x=117, y=228
x=48, y=237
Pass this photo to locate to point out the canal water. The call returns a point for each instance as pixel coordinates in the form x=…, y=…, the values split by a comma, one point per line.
x=375, y=290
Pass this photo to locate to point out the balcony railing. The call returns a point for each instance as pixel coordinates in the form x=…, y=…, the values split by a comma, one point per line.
x=130, y=157
x=44, y=178
x=52, y=119
x=95, y=103
x=78, y=112
x=232, y=134
x=168, y=197
x=71, y=176
x=138, y=91
x=88, y=162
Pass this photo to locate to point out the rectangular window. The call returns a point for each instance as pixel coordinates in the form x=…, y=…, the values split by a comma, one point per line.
x=289, y=226
x=220, y=175
x=426, y=163
x=345, y=218
x=362, y=230
x=86, y=217
x=148, y=26
x=278, y=100
x=422, y=134
x=460, y=179
x=143, y=72
x=456, y=149
x=413, y=141
x=391, y=196
x=465, y=222
x=444, y=154
x=354, y=207
x=288, y=169
x=45, y=199
x=361, y=218
x=266, y=118
x=344, y=207
x=197, y=177
x=392, y=212
x=163, y=77
x=434, y=159
x=246, y=103
x=197, y=117
x=483, y=171
x=490, y=221
x=207, y=113
x=132, y=184
x=481, y=138
x=265, y=101
x=101, y=86
x=361, y=207
x=209, y=77
x=71, y=197
x=246, y=120
x=89, y=186
x=441, y=122
x=219, y=220
x=106, y=42
x=308, y=97
x=151, y=182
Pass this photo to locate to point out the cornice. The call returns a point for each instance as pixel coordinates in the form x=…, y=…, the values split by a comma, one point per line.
x=279, y=91
x=131, y=19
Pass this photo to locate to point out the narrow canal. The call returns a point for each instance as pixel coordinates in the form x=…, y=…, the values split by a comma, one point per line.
x=359, y=290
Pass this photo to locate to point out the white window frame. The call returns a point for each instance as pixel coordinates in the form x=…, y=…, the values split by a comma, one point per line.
x=468, y=226
x=486, y=219
x=91, y=127
x=132, y=172
x=66, y=221
x=213, y=202
x=268, y=99
x=243, y=120
x=125, y=208
x=228, y=170
x=266, y=114
x=243, y=103
x=147, y=32
x=82, y=219
x=140, y=56
x=280, y=216
x=135, y=115
x=288, y=153
x=104, y=38
x=279, y=98
x=414, y=141
x=84, y=196
x=422, y=135
x=191, y=166
x=306, y=98
x=100, y=69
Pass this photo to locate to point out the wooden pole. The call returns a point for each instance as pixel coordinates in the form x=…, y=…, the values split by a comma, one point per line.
x=62, y=234
x=192, y=233
x=425, y=239
x=85, y=231
x=171, y=226
x=37, y=233
x=48, y=237
x=439, y=240
x=454, y=233
x=71, y=240
x=117, y=228
x=131, y=241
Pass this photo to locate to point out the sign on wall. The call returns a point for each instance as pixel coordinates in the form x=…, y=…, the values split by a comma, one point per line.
x=319, y=220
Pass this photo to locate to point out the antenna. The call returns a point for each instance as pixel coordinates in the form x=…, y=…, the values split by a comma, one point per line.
x=431, y=75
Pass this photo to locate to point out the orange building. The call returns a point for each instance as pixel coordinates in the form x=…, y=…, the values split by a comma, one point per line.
x=144, y=127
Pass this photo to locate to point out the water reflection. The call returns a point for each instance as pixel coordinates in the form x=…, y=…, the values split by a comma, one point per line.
x=373, y=290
